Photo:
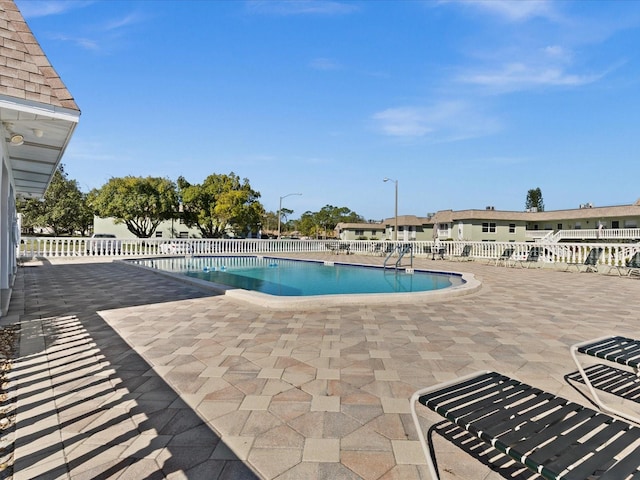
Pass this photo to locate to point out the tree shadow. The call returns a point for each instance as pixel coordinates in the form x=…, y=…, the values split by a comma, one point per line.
x=88, y=405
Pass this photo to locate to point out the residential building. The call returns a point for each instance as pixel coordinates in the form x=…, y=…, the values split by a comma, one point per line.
x=410, y=227
x=39, y=116
x=586, y=222
x=174, y=228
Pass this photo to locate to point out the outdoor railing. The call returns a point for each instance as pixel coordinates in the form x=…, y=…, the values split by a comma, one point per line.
x=600, y=233
x=32, y=247
x=584, y=233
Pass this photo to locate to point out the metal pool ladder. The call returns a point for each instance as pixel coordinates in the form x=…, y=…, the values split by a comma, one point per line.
x=402, y=249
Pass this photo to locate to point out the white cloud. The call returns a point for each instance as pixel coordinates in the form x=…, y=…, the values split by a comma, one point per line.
x=521, y=76
x=324, y=64
x=556, y=51
x=514, y=10
x=86, y=43
x=125, y=21
x=403, y=122
x=443, y=122
x=43, y=8
x=300, y=7
x=102, y=38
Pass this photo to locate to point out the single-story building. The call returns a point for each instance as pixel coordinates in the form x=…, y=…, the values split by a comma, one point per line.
x=39, y=116
x=410, y=228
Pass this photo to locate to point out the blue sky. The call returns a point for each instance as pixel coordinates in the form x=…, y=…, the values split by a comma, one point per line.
x=465, y=104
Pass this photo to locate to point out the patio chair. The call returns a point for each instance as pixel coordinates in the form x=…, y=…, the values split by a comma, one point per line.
x=547, y=434
x=465, y=255
x=332, y=247
x=505, y=258
x=616, y=349
x=631, y=266
x=533, y=255
x=590, y=263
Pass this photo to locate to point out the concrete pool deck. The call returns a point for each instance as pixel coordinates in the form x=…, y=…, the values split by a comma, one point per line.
x=125, y=374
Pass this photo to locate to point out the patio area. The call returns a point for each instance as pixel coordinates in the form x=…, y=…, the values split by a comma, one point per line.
x=127, y=374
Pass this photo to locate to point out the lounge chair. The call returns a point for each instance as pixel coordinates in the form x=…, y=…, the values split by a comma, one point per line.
x=437, y=251
x=464, y=255
x=617, y=349
x=545, y=433
x=590, y=263
x=533, y=255
x=631, y=266
x=505, y=258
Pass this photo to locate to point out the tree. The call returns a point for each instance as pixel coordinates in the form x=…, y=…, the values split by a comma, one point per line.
x=63, y=208
x=140, y=203
x=534, y=200
x=326, y=219
x=307, y=224
x=284, y=215
x=269, y=222
x=221, y=201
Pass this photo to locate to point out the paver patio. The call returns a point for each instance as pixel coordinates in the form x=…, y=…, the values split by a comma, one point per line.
x=127, y=374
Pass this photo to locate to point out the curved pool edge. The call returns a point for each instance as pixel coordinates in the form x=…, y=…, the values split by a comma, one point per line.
x=471, y=285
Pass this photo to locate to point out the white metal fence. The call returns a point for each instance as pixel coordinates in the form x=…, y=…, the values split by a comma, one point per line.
x=31, y=247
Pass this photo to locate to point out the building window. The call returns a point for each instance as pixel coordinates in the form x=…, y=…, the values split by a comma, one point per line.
x=360, y=233
x=158, y=234
x=577, y=226
x=183, y=235
x=512, y=228
x=489, y=227
x=630, y=224
x=615, y=224
x=559, y=226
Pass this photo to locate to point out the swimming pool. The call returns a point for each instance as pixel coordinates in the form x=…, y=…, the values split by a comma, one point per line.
x=279, y=280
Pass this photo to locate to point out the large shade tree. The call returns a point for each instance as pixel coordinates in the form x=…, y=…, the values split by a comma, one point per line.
x=140, y=203
x=219, y=203
x=324, y=221
x=63, y=209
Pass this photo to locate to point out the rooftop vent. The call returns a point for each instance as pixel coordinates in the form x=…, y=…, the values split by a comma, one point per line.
x=491, y=207
x=586, y=205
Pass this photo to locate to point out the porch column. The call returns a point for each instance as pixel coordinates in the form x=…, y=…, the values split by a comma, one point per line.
x=4, y=239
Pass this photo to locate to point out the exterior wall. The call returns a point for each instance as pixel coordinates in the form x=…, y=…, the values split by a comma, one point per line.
x=503, y=231
x=358, y=233
x=592, y=222
x=9, y=235
x=167, y=229
x=164, y=230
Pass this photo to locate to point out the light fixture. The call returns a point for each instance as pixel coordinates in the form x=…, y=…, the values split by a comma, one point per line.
x=17, y=139
x=395, y=231
x=38, y=133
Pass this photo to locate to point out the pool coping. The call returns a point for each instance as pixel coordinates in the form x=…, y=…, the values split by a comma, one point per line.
x=471, y=285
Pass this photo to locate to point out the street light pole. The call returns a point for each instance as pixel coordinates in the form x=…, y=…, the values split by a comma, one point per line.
x=395, y=230
x=280, y=209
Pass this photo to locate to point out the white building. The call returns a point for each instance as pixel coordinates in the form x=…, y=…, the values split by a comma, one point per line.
x=37, y=118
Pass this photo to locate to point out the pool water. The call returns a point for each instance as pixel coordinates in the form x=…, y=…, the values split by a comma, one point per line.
x=283, y=277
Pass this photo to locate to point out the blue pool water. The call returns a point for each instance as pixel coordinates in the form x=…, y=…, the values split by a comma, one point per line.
x=284, y=277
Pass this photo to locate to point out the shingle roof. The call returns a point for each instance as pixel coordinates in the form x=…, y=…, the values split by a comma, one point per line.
x=361, y=226
x=25, y=71
x=448, y=216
